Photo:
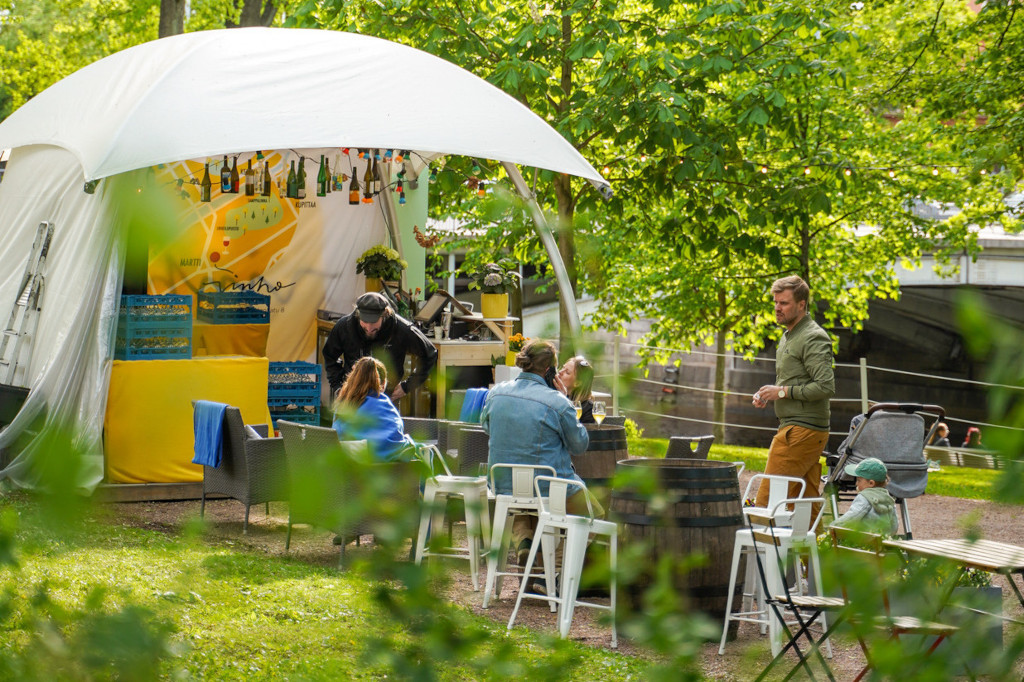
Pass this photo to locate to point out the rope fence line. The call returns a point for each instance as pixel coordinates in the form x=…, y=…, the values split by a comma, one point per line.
x=708, y=421
x=838, y=365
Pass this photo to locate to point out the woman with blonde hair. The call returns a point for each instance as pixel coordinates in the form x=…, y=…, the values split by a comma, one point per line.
x=363, y=412
x=576, y=380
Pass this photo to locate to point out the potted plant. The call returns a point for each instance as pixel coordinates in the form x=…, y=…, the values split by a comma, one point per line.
x=494, y=281
x=515, y=344
x=380, y=263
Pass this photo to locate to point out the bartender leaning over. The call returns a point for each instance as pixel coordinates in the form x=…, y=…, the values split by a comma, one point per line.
x=373, y=329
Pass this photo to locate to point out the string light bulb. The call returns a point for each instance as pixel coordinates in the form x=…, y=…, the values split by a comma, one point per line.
x=433, y=175
x=476, y=167
x=388, y=154
x=807, y=170
x=481, y=189
x=892, y=173
x=401, y=198
x=983, y=171
x=643, y=158
x=400, y=156
x=847, y=172
x=935, y=170
x=764, y=170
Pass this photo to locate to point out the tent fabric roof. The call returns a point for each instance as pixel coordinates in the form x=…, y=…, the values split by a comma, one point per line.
x=219, y=92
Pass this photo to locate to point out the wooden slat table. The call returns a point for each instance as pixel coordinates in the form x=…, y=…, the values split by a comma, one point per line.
x=984, y=555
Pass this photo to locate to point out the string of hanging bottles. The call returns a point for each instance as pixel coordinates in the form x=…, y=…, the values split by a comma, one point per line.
x=292, y=182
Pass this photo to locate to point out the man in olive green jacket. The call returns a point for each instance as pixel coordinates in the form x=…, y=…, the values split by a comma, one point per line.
x=804, y=383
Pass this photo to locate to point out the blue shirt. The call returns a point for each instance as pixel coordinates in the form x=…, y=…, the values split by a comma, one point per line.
x=531, y=423
x=378, y=422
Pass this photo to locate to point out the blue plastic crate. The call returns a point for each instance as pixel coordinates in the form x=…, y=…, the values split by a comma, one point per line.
x=164, y=308
x=154, y=328
x=153, y=353
x=232, y=307
x=293, y=380
x=297, y=416
x=312, y=399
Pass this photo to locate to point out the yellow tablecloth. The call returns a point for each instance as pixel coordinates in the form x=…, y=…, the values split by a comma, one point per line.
x=148, y=426
x=229, y=339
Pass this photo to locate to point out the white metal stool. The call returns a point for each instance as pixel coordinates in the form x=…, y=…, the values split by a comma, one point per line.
x=778, y=490
x=576, y=532
x=473, y=491
x=793, y=540
x=521, y=501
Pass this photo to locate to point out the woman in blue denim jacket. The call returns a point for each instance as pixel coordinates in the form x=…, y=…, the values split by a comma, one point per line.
x=530, y=422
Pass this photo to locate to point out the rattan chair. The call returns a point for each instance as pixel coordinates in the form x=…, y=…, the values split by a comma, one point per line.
x=252, y=470
x=423, y=429
x=333, y=488
x=473, y=446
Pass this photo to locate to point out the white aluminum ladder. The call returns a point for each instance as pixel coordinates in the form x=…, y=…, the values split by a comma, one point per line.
x=25, y=313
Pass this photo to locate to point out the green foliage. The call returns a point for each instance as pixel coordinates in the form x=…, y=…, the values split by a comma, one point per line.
x=496, y=278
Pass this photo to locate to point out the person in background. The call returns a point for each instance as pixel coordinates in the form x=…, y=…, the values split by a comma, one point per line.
x=804, y=383
x=531, y=422
x=873, y=509
x=364, y=412
x=973, y=439
x=373, y=329
x=941, y=437
x=575, y=380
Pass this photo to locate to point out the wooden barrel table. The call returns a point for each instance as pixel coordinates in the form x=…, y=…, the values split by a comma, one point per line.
x=701, y=516
x=596, y=466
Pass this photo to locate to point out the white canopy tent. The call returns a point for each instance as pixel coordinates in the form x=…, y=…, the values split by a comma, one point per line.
x=202, y=95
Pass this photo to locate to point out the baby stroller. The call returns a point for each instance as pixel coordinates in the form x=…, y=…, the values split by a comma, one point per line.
x=894, y=433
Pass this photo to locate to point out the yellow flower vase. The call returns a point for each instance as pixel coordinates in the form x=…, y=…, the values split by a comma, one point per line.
x=510, y=358
x=494, y=305
x=373, y=284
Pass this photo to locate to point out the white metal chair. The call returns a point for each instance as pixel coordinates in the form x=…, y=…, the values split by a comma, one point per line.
x=436, y=491
x=575, y=531
x=794, y=540
x=521, y=501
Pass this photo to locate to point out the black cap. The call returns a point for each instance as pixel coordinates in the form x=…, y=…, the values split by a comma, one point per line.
x=371, y=306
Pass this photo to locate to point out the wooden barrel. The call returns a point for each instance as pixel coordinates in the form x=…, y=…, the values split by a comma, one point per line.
x=702, y=515
x=596, y=466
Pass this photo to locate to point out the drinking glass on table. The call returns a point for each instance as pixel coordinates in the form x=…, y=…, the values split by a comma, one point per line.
x=579, y=409
x=599, y=413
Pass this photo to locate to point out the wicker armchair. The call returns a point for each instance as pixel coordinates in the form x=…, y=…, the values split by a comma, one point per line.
x=689, y=447
x=422, y=429
x=252, y=470
x=473, y=444
x=333, y=489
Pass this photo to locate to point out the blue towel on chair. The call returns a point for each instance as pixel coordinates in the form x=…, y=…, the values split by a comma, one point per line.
x=472, y=405
x=208, y=423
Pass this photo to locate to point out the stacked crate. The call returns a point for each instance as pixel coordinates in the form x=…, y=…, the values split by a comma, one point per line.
x=232, y=307
x=293, y=392
x=154, y=328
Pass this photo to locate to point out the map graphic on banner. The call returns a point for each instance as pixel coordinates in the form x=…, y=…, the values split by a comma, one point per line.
x=230, y=243
x=239, y=243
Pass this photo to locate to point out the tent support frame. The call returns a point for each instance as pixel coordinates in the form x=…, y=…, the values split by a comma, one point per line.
x=547, y=237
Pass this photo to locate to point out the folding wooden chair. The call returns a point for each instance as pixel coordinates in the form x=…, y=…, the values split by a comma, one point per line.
x=804, y=609
x=858, y=551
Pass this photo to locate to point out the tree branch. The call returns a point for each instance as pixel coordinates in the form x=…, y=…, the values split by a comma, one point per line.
x=931, y=34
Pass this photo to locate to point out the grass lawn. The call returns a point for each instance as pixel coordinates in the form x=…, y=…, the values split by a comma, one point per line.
x=173, y=607
x=972, y=484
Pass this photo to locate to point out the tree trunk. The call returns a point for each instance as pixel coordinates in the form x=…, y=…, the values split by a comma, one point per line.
x=719, y=399
x=566, y=202
x=254, y=13
x=172, y=18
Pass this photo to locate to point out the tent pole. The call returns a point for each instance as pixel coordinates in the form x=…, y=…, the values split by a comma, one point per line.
x=568, y=297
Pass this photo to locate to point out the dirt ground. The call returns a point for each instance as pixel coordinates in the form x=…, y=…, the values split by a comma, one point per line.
x=931, y=517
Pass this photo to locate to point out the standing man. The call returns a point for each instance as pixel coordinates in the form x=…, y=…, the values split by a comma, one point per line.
x=804, y=383
x=373, y=329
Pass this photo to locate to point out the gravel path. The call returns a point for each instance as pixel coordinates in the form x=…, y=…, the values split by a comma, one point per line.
x=931, y=517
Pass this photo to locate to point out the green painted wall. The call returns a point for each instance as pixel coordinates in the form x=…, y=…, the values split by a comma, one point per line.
x=414, y=213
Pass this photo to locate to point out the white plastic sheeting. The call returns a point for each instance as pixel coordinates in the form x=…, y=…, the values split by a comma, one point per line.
x=68, y=365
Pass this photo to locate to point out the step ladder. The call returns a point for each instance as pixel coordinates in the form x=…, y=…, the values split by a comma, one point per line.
x=21, y=327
